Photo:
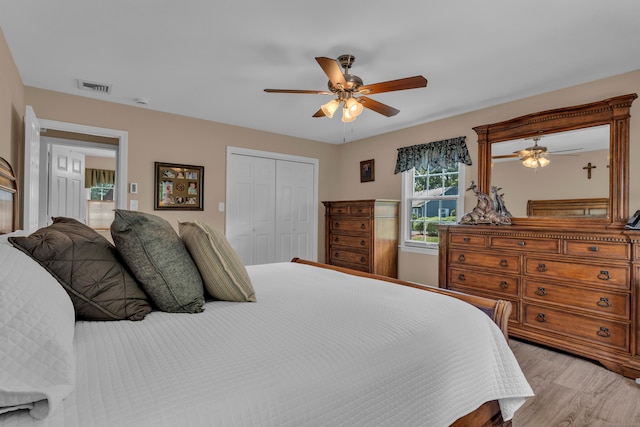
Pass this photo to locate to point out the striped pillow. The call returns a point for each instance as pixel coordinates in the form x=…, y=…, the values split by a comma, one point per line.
x=222, y=271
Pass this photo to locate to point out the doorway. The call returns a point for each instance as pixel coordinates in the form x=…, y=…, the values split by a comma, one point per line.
x=35, y=203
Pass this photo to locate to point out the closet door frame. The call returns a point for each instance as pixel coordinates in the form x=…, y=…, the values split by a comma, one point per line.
x=279, y=156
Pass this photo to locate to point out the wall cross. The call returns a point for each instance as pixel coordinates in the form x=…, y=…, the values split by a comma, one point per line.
x=588, y=168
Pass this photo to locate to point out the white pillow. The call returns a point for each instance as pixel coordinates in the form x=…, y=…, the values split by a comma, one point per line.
x=37, y=321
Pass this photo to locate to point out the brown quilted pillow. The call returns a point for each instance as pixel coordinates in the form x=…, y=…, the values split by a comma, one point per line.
x=89, y=269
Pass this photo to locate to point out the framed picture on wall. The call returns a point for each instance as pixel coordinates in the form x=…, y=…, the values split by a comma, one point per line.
x=178, y=187
x=367, y=172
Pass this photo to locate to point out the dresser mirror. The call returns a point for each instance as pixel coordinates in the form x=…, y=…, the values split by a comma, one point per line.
x=584, y=180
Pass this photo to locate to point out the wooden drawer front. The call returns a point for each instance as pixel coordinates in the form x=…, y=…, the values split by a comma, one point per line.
x=467, y=240
x=495, y=283
x=604, y=275
x=350, y=210
x=525, y=244
x=351, y=257
x=509, y=263
x=598, y=249
x=597, y=301
x=353, y=266
x=350, y=225
x=349, y=241
x=607, y=332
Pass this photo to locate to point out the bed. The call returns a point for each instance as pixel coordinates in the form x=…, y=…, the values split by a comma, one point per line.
x=312, y=345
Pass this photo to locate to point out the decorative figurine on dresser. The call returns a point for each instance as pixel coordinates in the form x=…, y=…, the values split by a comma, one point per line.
x=363, y=235
x=573, y=275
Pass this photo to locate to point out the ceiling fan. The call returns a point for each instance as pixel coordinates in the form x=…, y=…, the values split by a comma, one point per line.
x=350, y=90
x=536, y=155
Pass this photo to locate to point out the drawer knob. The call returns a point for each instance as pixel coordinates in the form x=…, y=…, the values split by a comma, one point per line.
x=362, y=242
x=541, y=318
x=541, y=291
x=504, y=263
x=359, y=210
x=461, y=258
x=604, y=332
x=362, y=259
x=541, y=268
x=604, y=275
x=363, y=226
x=335, y=255
x=466, y=240
x=336, y=239
x=604, y=302
x=336, y=224
x=503, y=284
x=461, y=277
x=593, y=248
x=521, y=243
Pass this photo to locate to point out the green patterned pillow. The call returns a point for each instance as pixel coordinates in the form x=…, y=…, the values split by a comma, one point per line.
x=158, y=259
x=222, y=271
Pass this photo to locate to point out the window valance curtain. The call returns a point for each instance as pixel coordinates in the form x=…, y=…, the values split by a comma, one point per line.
x=93, y=177
x=442, y=154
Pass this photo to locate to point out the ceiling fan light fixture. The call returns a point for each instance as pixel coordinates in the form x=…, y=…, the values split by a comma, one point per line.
x=543, y=161
x=535, y=162
x=330, y=107
x=346, y=116
x=354, y=107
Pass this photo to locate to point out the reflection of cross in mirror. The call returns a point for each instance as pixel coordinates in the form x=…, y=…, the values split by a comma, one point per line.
x=588, y=168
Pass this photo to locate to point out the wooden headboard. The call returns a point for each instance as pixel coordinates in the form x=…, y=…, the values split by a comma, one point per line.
x=8, y=198
x=569, y=207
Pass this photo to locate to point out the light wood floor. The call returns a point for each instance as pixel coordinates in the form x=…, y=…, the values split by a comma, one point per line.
x=571, y=391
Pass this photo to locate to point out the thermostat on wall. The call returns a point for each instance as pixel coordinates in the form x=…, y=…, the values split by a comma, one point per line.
x=133, y=188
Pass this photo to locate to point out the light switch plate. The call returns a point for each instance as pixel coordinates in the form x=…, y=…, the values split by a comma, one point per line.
x=133, y=205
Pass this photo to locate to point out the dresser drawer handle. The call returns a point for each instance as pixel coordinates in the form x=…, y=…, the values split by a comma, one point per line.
x=336, y=255
x=362, y=259
x=340, y=210
x=461, y=258
x=604, y=302
x=360, y=210
x=503, y=284
x=363, y=226
x=336, y=239
x=593, y=248
x=461, y=277
x=604, y=332
x=362, y=242
x=604, y=275
x=541, y=268
x=541, y=318
x=521, y=243
x=504, y=263
x=541, y=291
x=336, y=224
x=466, y=240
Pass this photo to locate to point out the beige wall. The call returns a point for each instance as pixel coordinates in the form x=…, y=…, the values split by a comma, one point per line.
x=155, y=136
x=11, y=108
x=423, y=268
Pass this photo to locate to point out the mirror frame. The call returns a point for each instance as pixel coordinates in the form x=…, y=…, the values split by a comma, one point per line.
x=612, y=111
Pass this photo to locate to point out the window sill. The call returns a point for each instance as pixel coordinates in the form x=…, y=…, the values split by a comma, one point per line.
x=427, y=250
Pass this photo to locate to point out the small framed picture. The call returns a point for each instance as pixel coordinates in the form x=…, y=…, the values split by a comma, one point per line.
x=367, y=171
x=178, y=187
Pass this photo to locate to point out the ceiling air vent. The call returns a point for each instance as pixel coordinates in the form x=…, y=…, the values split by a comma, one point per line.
x=94, y=87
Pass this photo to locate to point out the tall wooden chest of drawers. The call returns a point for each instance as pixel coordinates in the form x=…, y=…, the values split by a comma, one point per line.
x=570, y=289
x=362, y=235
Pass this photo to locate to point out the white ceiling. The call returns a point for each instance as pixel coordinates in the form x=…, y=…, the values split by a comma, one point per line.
x=211, y=59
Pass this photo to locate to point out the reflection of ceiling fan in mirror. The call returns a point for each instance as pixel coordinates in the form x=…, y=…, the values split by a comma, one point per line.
x=534, y=156
x=347, y=86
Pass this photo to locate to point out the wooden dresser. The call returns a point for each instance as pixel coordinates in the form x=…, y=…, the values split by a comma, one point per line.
x=570, y=289
x=363, y=235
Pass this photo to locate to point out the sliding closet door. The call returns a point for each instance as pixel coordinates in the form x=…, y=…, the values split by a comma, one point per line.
x=294, y=210
x=271, y=206
x=251, y=207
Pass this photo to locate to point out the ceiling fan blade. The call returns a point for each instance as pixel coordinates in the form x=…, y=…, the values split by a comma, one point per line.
x=378, y=107
x=393, y=85
x=332, y=70
x=505, y=156
x=316, y=92
x=319, y=113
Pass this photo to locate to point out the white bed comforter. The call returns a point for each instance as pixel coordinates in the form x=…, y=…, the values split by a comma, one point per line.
x=319, y=348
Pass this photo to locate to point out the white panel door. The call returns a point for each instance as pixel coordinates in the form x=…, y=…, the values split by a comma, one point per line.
x=251, y=207
x=66, y=184
x=295, y=226
x=31, y=170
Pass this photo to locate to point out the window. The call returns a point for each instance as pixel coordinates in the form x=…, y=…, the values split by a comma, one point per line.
x=430, y=196
x=100, y=206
